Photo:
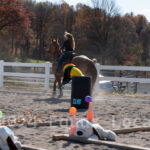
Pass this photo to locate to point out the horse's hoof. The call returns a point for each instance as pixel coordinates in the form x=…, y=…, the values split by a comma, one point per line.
x=54, y=93
x=60, y=95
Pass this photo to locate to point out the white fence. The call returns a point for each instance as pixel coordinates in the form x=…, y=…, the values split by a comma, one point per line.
x=46, y=75
x=124, y=68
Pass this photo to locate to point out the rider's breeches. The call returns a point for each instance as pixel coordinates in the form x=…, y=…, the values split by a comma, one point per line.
x=61, y=60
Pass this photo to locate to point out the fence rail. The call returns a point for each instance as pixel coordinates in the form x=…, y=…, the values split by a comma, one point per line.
x=47, y=75
x=122, y=79
x=16, y=64
x=123, y=68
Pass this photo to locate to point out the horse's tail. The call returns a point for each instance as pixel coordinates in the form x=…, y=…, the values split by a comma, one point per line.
x=93, y=71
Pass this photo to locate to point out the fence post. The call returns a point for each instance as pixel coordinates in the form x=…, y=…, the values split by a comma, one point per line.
x=136, y=84
x=1, y=73
x=97, y=65
x=47, y=75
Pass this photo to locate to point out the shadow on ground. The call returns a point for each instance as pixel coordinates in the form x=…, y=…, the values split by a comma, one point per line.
x=52, y=100
x=58, y=101
x=78, y=145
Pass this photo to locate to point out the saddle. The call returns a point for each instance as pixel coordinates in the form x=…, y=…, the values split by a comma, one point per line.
x=66, y=61
x=69, y=59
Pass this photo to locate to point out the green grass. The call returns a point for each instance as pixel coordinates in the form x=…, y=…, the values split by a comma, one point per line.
x=34, y=61
x=28, y=60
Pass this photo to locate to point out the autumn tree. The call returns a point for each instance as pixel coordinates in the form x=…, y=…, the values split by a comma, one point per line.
x=95, y=25
x=83, y=30
x=40, y=26
x=12, y=13
x=26, y=27
x=14, y=21
x=123, y=43
x=62, y=19
x=143, y=31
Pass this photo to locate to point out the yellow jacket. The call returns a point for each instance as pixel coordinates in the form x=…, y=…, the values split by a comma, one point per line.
x=75, y=72
x=70, y=70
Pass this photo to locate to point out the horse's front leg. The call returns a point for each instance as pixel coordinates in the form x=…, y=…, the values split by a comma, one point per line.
x=60, y=88
x=54, y=88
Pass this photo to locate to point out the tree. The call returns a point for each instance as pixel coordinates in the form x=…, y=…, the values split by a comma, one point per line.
x=40, y=27
x=104, y=12
x=12, y=13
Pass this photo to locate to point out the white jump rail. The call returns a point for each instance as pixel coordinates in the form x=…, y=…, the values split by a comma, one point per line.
x=124, y=68
x=45, y=76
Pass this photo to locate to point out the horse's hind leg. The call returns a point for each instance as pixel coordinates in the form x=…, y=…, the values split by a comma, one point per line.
x=60, y=88
x=54, y=88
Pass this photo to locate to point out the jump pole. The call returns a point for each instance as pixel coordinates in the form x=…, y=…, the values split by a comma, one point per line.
x=131, y=130
x=25, y=147
x=98, y=142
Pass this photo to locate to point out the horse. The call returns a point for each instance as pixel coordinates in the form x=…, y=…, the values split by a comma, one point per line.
x=85, y=64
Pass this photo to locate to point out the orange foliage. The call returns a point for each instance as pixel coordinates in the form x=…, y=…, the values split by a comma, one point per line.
x=12, y=13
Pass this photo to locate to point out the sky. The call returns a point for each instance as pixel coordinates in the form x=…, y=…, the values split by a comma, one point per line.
x=126, y=6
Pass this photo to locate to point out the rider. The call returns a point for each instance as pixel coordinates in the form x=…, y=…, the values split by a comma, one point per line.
x=67, y=48
x=69, y=71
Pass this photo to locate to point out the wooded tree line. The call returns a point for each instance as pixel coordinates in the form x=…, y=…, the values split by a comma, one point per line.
x=26, y=28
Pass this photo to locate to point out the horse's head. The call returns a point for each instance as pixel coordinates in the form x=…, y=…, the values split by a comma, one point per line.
x=55, y=48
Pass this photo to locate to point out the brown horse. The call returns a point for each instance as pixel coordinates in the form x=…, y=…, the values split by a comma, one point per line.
x=85, y=64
